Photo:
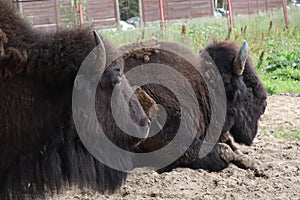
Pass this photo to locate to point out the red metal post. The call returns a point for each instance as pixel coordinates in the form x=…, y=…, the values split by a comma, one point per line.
x=161, y=13
x=141, y=12
x=117, y=13
x=212, y=7
x=81, y=13
x=230, y=15
x=285, y=11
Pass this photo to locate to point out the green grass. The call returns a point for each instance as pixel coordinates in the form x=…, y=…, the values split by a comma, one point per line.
x=280, y=86
x=292, y=134
x=275, y=50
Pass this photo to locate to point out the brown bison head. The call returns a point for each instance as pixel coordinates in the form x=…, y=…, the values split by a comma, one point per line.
x=246, y=95
x=114, y=81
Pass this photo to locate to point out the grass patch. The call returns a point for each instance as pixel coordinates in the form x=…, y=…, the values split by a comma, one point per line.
x=275, y=50
x=292, y=134
x=277, y=86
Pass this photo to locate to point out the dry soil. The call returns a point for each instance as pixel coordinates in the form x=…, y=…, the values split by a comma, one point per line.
x=277, y=178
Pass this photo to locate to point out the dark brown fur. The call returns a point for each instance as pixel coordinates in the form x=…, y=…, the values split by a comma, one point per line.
x=246, y=101
x=40, y=150
x=246, y=95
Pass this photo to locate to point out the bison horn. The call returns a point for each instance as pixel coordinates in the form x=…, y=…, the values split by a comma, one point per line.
x=97, y=38
x=101, y=53
x=240, y=60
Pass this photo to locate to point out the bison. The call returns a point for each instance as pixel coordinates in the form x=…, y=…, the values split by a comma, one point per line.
x=245, y=102
x=40, y=150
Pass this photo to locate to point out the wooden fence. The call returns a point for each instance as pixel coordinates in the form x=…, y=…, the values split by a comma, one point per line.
x=186, y=9
x=254, y=6
x=50, y=15
x=176, y=9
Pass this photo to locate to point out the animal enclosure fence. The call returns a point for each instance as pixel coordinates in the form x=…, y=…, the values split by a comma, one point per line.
x=49, y=13
x=176, y=9
x=254, y=6
x=186, y=9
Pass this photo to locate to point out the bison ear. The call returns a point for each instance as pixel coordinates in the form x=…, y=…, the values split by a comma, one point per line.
x=240, y=59
x=97, y=38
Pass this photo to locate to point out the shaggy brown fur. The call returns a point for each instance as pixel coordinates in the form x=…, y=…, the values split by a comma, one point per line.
x=246, y=95
x=246, y=101
x=40, y=150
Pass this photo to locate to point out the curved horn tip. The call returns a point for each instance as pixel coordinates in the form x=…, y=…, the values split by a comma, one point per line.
x=244, y=51
x=245, y=44
x=97, y=38
x=240, y=60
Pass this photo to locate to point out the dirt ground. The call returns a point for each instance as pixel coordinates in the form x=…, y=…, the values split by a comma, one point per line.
x=278, y=177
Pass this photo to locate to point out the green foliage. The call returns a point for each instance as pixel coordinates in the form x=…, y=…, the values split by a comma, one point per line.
x=128, y=8
x=275, y=86
x=282, y=60
x=69, y=12
x=291, y=134
x=271, y=89
x=278, y=60
x=275, y=50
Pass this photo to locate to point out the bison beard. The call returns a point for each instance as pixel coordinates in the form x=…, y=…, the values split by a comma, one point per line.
x=40, y=150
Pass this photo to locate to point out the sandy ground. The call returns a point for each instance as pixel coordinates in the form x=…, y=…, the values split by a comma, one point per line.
x=278, y=177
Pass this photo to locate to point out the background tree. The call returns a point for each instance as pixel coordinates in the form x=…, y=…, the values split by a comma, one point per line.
x=128, y=8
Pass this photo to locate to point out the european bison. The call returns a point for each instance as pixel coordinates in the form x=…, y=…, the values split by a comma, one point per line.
x=245, y=100
x=40, y=150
